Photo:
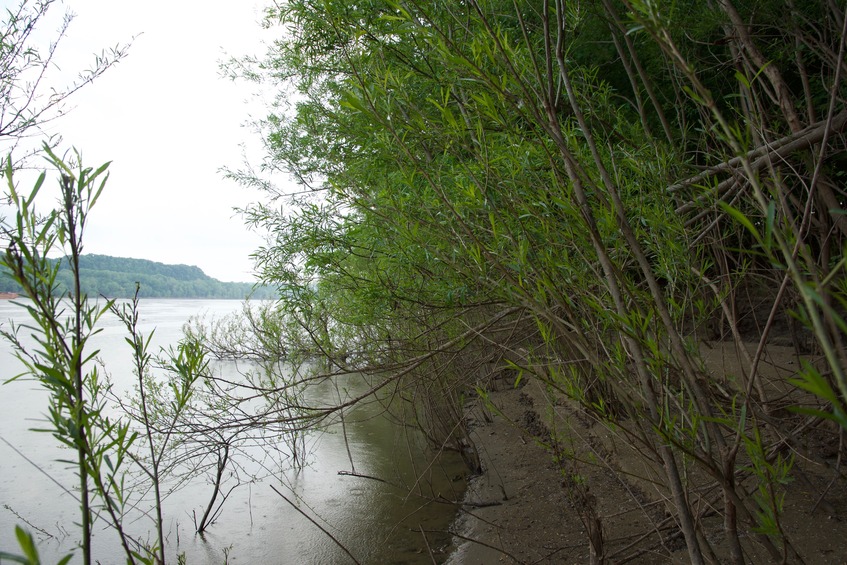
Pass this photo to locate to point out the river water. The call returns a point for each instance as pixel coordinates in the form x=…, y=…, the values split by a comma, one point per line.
x=377, y=521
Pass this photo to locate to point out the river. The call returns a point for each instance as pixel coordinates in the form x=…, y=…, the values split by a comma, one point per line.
x=376, y=521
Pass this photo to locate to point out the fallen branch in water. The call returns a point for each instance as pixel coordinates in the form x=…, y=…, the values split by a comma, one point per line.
x=361, y=476
x=321, y=528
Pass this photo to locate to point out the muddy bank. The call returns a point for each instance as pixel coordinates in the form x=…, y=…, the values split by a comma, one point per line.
x=517, y=511
x=532, y=503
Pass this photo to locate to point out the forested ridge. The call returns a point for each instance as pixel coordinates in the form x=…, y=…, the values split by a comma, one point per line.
x=116, y=277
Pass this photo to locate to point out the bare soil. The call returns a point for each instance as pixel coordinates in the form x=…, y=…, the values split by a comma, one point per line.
x=524, y=507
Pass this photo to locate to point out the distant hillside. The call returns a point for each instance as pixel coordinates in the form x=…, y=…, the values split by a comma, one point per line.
x=115, y=277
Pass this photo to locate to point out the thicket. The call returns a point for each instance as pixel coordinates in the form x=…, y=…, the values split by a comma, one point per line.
x=584, y=192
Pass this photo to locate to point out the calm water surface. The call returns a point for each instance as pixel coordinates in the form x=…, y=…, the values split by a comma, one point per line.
x=378, y=523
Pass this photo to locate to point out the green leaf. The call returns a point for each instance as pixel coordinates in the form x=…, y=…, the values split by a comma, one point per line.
x=27, y=545
x=14, y=558
x=35, y=189
x=769, y=224
x=739, y=217
x=812, y=381
x=742, y=79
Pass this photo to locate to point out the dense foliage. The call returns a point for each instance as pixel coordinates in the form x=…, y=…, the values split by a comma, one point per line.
x=116, y=277
x=584, y=192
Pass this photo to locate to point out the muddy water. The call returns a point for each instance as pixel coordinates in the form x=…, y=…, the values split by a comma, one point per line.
x=377, y=521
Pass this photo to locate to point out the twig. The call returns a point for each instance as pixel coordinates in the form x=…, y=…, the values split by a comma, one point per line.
x=476, y=541
x=28, y=523
x=482, y=504
x=426, y=542
x=361, y=476
x=42, y=471
x=321, y=528
x=837, y=470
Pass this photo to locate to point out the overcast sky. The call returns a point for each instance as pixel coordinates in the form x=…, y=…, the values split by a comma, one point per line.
x=168, y=122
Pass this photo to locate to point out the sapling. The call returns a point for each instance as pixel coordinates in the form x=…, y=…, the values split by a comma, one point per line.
x=62, y=322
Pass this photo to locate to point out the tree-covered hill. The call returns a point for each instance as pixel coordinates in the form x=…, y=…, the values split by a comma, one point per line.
x=116, y=277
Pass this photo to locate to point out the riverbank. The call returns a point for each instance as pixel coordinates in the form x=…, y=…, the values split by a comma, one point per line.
x=525, y=508
x=516, y=511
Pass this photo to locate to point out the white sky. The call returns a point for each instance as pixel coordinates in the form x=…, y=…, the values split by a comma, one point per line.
x=168, y=122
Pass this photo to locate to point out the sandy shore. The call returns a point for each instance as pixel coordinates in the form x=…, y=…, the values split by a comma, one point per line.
x=524, y=509
x=516, y=511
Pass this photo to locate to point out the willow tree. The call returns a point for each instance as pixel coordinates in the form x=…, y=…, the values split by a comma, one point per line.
x=578, y=185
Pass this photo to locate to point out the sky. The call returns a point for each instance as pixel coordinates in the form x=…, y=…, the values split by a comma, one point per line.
x=168, y=122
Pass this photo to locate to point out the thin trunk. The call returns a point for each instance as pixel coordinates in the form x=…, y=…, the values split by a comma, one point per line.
x=636, y=62
x=741, y=32
x=78, y=405
x=154, y=458
x=730, y=515
x=636, y=92
x=668, y=459
x=222, y=461
x=75, y=219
